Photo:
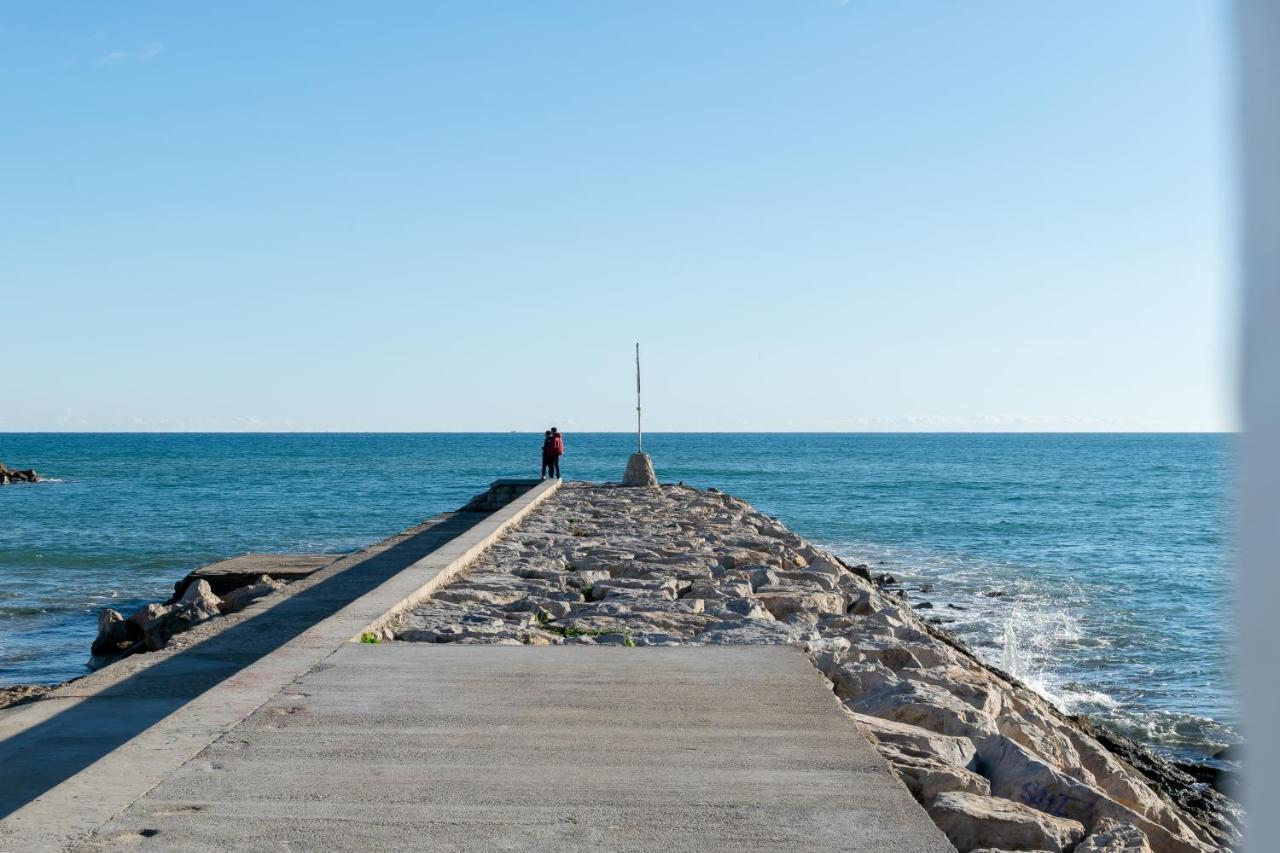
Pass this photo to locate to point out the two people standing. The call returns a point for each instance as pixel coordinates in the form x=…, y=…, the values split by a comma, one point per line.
x=552, y=450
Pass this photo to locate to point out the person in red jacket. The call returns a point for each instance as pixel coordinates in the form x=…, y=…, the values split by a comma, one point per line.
x=557, y=450
x=548, y=454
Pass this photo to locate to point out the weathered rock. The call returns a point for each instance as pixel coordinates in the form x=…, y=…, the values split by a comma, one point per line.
x=199, y=602
x=752, y=632
x=21, y=694
x=958, y=751
x=971, y=822
x=158, y=622
x=115, y=635
x=491, y=630
x=1217, y=815
x=784, y=604
x=630, y=588
x=148, y=613
x=466, y=595
x=9, y=475
x=1113, y=837
x=240, y=598
x=928, y=707
x=927, y=777
x=855, y=680
x=1020, y=775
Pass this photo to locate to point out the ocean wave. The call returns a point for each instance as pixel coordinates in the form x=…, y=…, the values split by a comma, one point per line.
x=1057, y=636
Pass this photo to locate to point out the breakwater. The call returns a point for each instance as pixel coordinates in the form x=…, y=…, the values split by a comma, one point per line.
x=1111, y=551
x=994, y=763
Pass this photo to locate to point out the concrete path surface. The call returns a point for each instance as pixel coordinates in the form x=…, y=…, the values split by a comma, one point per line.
x=412, y=746
x=47, y=742
x=72, y=761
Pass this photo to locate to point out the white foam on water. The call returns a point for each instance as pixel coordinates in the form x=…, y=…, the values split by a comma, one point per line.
x=1012, y=662
x=1035, y=631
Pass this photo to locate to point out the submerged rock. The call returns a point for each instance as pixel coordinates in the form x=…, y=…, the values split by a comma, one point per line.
x=9, y=475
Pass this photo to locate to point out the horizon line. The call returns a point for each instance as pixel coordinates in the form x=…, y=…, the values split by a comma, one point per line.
x=622, y=432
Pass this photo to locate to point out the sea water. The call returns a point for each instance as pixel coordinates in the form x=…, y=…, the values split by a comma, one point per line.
x=1096, y=568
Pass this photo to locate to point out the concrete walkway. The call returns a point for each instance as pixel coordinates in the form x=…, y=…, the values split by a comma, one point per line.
x=272, y=729
x=74, y=760
x=425, y=747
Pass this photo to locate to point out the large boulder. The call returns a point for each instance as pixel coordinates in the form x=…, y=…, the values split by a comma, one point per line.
x=631, y=588
x=198, y=604
x=1113, y=837
x=9, y=475
x=488, y=597
x=928, y=707
x=972, y=822
x=159, y=622
x=752, y=632
x=1020, y=775
x=1103, y=751
x=855, y=680
x=957, y=751
x=115, y=635
x=783, y=604
x=926, y=777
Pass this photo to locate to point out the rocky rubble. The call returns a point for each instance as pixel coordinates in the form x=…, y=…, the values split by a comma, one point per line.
x=20, y=694
x=150, y=628
x=9, y=475
x=994, y=763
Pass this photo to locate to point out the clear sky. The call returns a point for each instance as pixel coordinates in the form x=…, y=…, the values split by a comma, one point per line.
x=813, y=215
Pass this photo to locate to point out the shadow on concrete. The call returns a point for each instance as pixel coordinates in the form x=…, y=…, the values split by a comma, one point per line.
x=57, y=748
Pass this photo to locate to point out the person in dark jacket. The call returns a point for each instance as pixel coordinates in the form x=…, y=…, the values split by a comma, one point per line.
x=548, y=454
x=557, y=450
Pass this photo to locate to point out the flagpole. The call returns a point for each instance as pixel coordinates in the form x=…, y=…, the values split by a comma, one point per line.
x=639, y=431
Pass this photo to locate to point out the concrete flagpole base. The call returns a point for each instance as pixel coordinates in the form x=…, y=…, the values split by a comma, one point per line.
x=640, y=471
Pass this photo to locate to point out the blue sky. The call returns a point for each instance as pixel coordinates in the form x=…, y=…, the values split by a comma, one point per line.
x=460, y=216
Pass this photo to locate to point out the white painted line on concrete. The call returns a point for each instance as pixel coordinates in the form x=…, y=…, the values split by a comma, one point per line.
x=408, y=588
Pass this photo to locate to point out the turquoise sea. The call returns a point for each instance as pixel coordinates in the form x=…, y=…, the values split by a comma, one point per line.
x=1095, y=567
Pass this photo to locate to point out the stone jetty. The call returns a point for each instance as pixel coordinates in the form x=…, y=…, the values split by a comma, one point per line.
x=577, y=666
x=995, y=765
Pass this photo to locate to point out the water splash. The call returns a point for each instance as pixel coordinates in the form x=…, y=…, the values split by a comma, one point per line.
x=1012, y=660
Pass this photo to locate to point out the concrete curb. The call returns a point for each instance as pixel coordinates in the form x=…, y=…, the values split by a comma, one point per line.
x=85, y=801
x=406, y=590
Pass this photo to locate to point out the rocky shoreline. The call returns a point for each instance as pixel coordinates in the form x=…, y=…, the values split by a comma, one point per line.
x=151, y=627
x=994, y=763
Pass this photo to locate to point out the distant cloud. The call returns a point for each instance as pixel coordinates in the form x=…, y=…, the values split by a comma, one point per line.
x=146, y=53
